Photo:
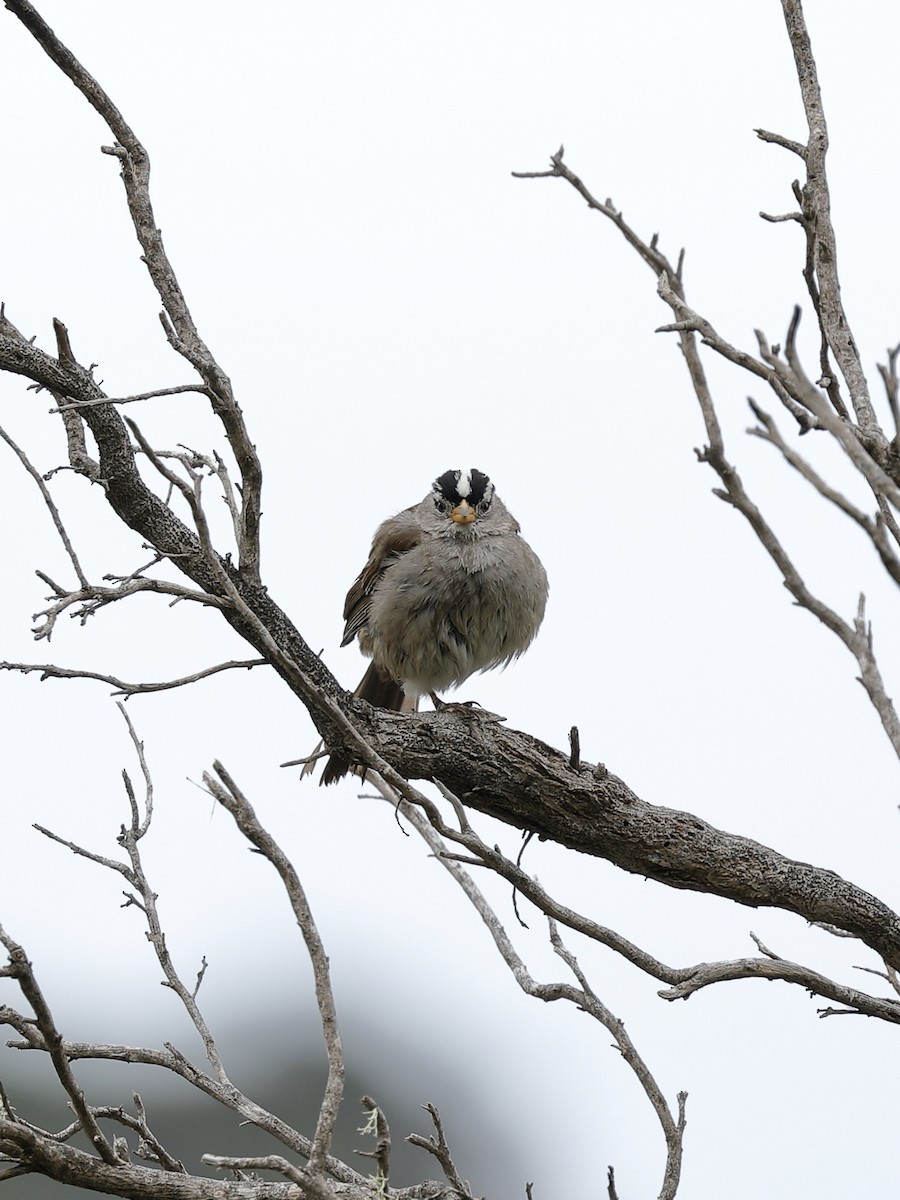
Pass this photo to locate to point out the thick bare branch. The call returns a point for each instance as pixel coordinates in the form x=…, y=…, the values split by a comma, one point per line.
x=492, y=782
x=485, y=764
x=684, y=981
x=76, y=1168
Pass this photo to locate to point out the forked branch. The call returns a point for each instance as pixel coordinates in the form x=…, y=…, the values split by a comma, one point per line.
x=178, y=323
x=822, y=272
x=864, y=443
x=425, y=819
x=232, y=799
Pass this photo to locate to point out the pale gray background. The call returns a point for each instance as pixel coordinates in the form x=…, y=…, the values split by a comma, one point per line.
x=333, y=183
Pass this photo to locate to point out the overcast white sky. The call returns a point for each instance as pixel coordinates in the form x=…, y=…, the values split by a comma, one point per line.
x=333, y=184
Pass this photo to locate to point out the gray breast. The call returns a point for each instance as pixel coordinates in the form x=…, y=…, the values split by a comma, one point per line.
x=443, y=612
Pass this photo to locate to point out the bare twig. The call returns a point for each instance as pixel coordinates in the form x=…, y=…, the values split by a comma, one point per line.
x=266, y=1162
x=611, y=1192
x=76, y=1168
x=437, y=1146
x=191, y=493
x=874, y=528
x=95, y=597
x=173, y=1061
x=220, y=1088
x=377, y=1125
x=683, y=981
x=795, y=147
x=52, y=1042
x=777, y=218
x=816, y=204
x=193, y=461
x=74, y=405
x=100, y=859
x=574, y=748
x=122, y=688
x=51, y=506
x=688, y=323
x=888, y=372
x=178, y=322
x=791, y=372
x=232, y=799
x=149, y=1148
x=672, y=1127
x=583, y=998
x=648, y=252
x=138, y=824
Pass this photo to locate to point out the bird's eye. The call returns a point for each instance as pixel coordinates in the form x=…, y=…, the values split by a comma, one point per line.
x=442, y=505
x=483, y=506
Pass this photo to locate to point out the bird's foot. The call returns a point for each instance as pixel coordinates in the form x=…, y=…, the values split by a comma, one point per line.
x=468, y=708
x=459, y=705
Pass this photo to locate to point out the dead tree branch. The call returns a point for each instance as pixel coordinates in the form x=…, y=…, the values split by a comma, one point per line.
x=793, y=389
x=477, y=762
x=672, y=1127
x=484, y=764
x=439, y=1148
x=39, y=1033
x=427, y=824
x=20, y=969
x=49, y=502
x=76, y=1168
x=122, y=688
x=177, y=321
x=232, y=799
x=683, y=981
x=377, y=1124
x=822, y=272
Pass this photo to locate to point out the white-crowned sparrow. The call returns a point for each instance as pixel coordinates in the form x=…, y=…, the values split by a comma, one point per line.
x=450, y=588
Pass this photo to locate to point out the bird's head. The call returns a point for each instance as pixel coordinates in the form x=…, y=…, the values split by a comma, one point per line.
x=462, y=496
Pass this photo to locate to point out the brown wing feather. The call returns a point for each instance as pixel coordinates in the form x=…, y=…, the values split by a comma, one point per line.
x=393, y=538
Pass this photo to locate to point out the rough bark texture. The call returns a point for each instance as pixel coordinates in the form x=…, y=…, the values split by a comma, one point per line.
x=75, y=1168
x=495, y=770
x=526, y=783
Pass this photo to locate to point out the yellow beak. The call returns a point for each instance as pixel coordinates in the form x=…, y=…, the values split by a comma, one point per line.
x=463, y=514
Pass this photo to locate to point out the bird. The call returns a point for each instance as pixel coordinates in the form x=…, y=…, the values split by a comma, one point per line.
x=450, y=588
